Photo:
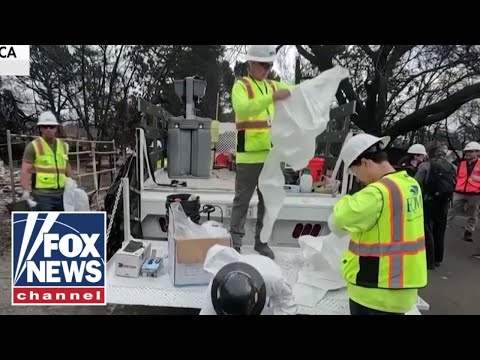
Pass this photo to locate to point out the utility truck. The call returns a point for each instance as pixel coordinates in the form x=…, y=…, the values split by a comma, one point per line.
x=137, y=202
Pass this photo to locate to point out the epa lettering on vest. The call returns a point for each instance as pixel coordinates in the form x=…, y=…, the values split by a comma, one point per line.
x=7, y=52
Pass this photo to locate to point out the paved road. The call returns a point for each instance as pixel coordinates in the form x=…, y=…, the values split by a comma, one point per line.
x=454, y=287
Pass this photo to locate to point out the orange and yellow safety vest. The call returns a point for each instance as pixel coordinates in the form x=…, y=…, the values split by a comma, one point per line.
x=254, y=110
x=391, y=255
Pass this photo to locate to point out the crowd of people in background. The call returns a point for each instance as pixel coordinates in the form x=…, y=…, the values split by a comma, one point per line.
x=450, y=187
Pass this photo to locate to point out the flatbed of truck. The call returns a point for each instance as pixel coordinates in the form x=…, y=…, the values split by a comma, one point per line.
x=161, y=292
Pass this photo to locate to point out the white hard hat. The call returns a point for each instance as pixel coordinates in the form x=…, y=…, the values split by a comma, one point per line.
x=47, y=118
x=417, y=149
x=261, y=53
x=475, y=146
x=358, y=144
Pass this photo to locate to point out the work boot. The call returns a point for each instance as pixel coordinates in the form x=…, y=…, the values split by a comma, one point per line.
x=468, y=236
x=264, y=249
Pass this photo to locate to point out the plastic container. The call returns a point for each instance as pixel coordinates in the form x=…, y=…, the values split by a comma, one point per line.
x=317, y=168
x=191, y=207
x=306, y=181
x=189, y=147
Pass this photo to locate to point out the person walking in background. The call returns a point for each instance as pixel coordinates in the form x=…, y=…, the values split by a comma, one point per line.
x=467, y=190
x=437, y=177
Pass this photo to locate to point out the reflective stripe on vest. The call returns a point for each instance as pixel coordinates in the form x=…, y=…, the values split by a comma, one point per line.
x=253, y=132
x=390, y=255
x=465, y=183
x=49, y=168
x=272, y=85
x=247, y=84
x=38, y=146
x=397, y=248
x=260, y=124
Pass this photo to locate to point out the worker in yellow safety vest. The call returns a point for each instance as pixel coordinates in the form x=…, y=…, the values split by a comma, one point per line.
x=253, y=99
x=45, y=166
x=385, y=263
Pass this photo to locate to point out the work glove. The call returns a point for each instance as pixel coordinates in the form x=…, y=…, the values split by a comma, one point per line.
x=334, y=228
x=26, y=196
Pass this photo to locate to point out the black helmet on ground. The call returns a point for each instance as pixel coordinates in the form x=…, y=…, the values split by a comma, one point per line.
x=238, y=289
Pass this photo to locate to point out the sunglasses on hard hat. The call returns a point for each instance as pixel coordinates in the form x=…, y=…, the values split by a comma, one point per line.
x=265, y=65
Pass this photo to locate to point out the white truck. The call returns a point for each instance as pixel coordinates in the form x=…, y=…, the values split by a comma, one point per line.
x=143, y=206
x=301, y=214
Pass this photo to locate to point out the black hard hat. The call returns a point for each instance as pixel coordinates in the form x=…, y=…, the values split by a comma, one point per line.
x=238, y=289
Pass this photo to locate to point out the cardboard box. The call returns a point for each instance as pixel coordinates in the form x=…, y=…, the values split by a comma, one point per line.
x=186, y=258
x=129, y=264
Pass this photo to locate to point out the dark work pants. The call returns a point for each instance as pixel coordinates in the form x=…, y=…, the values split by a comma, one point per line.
x=357, y=309
x=246, y=182
x=49, y=203
x=435, y=215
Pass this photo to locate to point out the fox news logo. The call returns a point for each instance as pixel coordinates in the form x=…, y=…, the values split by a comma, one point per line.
x=58, y=258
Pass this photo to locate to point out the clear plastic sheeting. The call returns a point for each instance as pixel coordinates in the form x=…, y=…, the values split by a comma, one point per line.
x=185, y=228
x=279, y=292
x=298, y=122
x=321, y=268
x=74, y=198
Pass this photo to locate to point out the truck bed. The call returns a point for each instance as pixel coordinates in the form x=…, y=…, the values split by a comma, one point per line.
x=220, y=190
x=160, y=291
x=221, y=179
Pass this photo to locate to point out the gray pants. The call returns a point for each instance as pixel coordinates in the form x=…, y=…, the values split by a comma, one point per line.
x=460, y=201
x=246, y=182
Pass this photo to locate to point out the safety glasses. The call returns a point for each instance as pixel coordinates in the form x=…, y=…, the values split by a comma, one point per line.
x=47, y=127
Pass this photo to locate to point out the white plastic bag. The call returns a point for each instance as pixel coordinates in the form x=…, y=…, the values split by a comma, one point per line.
x=81, y=202
x=323, y=253
x=321, y=267
x=69, y=194
x=184, y=228
x=74, y=198
x=278, y=290
x=298, y=122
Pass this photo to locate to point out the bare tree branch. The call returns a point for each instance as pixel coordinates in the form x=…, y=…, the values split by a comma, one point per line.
x=302, y=51
x=367, y=50
x=435, y=112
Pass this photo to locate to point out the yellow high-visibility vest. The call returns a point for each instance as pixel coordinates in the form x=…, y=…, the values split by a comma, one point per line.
x=50, y=168
x=253, y=128
x=391, y=255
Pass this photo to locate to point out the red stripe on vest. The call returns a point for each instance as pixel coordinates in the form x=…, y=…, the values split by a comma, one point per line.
x=272, y=85
x=247, y=84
